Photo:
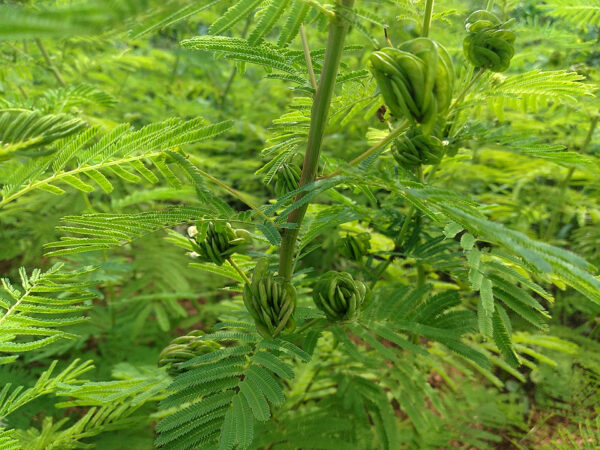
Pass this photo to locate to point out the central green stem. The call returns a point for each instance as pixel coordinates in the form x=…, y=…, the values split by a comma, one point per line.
x=338, y=28
x=427, y=18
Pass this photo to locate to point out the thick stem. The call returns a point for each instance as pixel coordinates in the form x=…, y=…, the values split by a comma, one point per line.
x=338, y=28
x=427, y=18
x=490, y=5
x=51, y=65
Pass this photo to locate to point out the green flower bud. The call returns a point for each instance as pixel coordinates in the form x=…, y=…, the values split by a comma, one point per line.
x=414, y=148
x=270, y=302
x=489, y=42
x=219, y=243
x=416, y=79
x=287, y=179
x=339, y=296
x=184, y=348
x=355, y=246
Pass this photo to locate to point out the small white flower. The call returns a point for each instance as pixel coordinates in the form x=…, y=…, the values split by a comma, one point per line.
x=192, y=231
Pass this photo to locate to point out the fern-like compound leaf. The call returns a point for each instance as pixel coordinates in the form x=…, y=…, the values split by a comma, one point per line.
x=240, y=50
x=7, y=440
x=104, y=231
x=22, y=129
x=223, y=393
x=268, y=19
x=171, y=15
x=243, y=422
x=485, y=307
x=32, y=317
x=534, y=90
x=115, y=152
x=13, y=399
x=502, y=337
x=239, y=11
x=290, y=28
x=580, y=14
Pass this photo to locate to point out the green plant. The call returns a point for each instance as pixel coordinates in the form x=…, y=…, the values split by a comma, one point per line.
x=454, y=288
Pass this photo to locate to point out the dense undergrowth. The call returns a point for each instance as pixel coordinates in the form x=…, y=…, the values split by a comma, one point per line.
x=253, y=224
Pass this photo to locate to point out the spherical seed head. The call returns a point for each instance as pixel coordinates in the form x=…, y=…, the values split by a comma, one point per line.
x=339, y=296
x=489, y=43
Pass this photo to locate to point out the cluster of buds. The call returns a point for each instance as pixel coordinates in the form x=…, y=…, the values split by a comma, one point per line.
x=340, y=296
x=416, y=79
x=287, y=179
x=489, y=43
x=414, y=148
x=219, y=242
x=184, y=348
x=355, y=246
x=270, y=302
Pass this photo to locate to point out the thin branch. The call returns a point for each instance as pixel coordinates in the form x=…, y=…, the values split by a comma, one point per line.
x=397, y=242
x=381, y=144
x=564, y=184
x=308, y=324
x=18, y=50
x=235, y=68
x=53, y=68
x=320, y=8
x=307, y=57
x=238, y=269
x=233, y=192
x=387, y=37
x=466, y=89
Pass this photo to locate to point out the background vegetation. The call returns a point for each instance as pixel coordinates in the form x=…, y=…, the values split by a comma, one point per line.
x=124, y=122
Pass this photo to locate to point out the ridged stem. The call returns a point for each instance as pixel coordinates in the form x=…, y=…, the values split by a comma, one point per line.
x=427, y=18
x=338, y=28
